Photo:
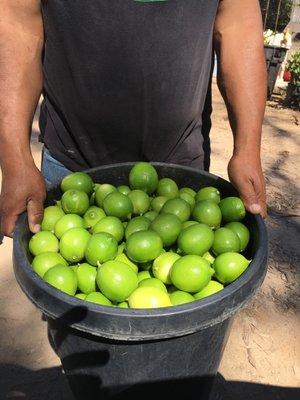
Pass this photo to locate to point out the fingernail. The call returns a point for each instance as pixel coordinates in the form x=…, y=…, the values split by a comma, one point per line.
x=255, y=208
x=36, y=228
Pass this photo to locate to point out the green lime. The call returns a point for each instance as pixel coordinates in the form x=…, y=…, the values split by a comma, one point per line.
x=73, y=244
x=168, y=226
x=62, y=278
x=162, y=266
x=51, y=215
x=232, y=209
x=229, y=266
x=225, y=240
x=102, y=191
x=92, y=199
x=135, y=225
x=209, y=257
x=121, y=248
x=157, y=203
x=211, y=288
x=187, y=190
x=123, y=304
x=58, y=203
x=124, y=259
x=98, y=298
x=151, y=215
x=75, y=202
x=77, y=181
x=186, y=224
x=86, y=278
x=67, y=222
x=80, y=296
x=207, y=212
x=190, y=273
x=144, y=246
x=143, y=176
x=43, y=242
x=143, y=275
x=189, y=199
x=92, y=216
x=153, y=282
x=117, y=205
x=110, y=225
x=149, y=297
x=178, y=207
x=101, y=247
x=45, y=261
x=196, y=239
x=124, y=189
x=74, y=267
x=140, y=201
x=179, y=297
x=242, y=232
x=167, y=188
x=116, y=280
x=208, y=193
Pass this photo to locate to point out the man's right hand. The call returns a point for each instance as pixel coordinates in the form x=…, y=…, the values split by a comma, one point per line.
x=23, y=188
x=21, y=49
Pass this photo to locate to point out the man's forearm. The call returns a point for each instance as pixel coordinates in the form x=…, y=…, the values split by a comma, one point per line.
x=21, y=42
x=242, y=82
x=242, y=70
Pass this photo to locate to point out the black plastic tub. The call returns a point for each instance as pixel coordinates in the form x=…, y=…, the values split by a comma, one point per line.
x=108, y=352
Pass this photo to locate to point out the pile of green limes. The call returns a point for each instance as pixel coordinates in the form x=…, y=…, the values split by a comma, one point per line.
x=145, y=245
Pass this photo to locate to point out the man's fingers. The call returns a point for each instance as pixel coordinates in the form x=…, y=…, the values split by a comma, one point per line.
x=259, y=187
x=250, y=198
x=247, y=177
x=35, y=214
x=8, y=221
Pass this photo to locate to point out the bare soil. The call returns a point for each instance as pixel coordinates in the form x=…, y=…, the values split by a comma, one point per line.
x=261, y=359
x=264, y=342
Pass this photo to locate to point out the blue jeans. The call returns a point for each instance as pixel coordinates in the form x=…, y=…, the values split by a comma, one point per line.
x=52, y=170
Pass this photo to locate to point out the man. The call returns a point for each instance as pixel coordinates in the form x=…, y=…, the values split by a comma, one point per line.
x=125, y=80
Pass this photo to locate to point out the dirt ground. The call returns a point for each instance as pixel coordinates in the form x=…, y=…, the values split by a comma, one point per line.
x=261, y=360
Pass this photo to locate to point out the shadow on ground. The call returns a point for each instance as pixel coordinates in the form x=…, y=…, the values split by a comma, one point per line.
x=20, y=383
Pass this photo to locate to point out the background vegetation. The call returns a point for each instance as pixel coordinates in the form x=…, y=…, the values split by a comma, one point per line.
x=284, y=16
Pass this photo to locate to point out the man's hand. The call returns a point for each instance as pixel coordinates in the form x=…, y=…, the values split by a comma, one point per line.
x=23, y=188
x=245, y=173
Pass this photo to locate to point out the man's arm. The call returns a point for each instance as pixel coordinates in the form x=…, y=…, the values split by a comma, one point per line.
x=242, y=81
x=21, y=44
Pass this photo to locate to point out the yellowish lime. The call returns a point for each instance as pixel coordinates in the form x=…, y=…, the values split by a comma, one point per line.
x=179, y=297
x=149, y=297
x=153, y=282
x=162, y=266
x=211, y=288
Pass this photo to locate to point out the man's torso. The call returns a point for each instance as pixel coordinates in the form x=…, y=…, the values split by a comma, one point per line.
x=126, y=80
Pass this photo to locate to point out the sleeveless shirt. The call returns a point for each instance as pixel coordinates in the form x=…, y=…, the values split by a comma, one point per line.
x=127, y=80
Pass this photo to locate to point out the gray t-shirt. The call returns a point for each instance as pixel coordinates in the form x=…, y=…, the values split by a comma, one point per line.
x=126, y=80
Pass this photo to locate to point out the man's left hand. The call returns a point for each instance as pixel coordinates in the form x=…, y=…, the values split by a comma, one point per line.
x=245, y=173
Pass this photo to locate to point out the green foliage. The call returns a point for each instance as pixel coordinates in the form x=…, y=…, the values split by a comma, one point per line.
x=293, y=67
x=284, y=16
